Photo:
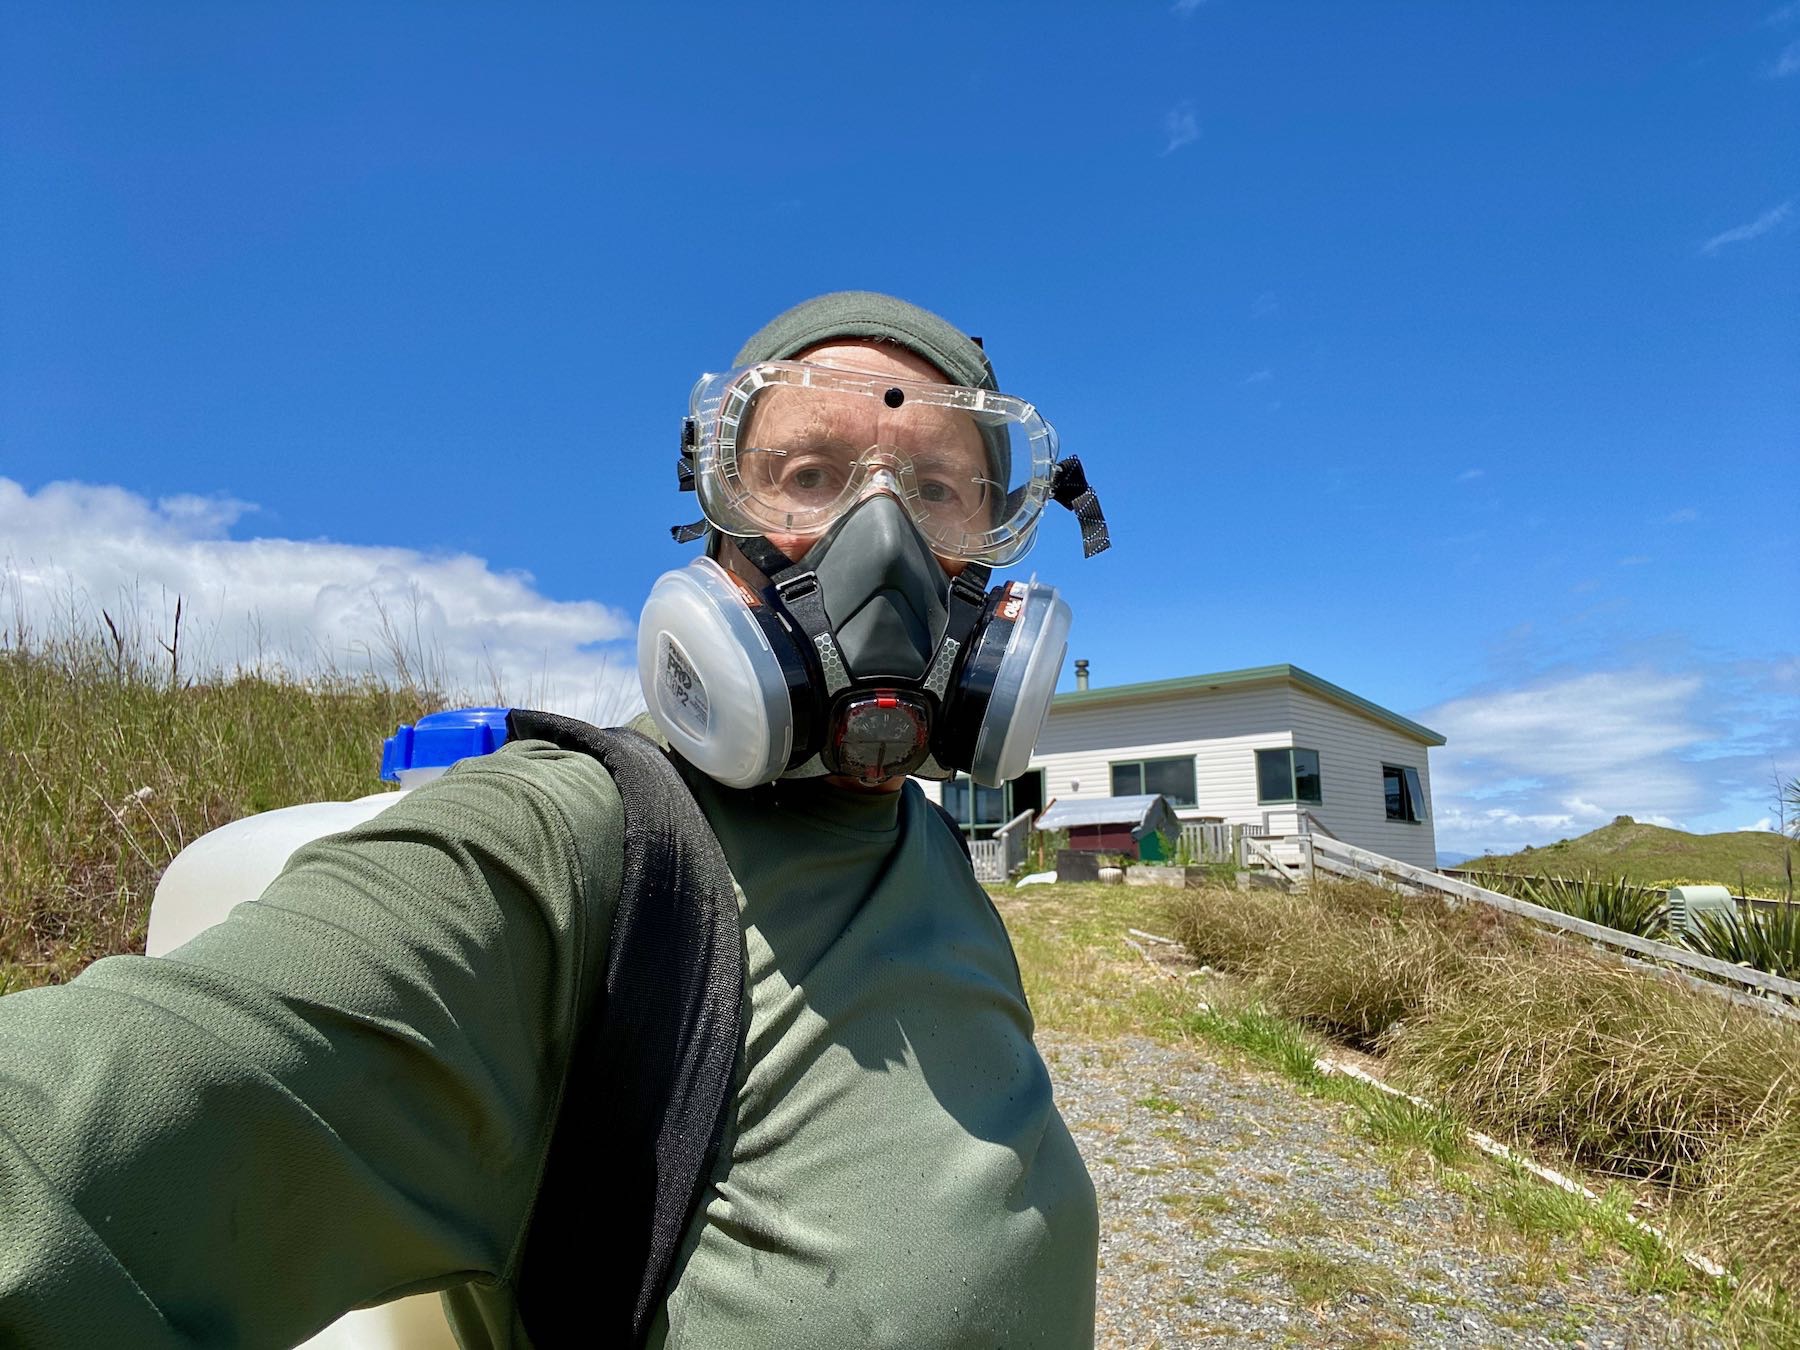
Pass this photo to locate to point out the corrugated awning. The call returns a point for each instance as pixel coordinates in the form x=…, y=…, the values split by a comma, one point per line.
x=1149, y=813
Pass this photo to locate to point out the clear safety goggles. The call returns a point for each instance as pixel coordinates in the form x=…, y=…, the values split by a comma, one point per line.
x=788, y=448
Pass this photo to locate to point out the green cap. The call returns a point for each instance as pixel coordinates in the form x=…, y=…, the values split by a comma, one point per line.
x=867, y=314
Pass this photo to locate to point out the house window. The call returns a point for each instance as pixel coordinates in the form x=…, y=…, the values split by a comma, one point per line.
x=1288, y=776
x=982, y=810
x=1174, y=778
x=1405, y=796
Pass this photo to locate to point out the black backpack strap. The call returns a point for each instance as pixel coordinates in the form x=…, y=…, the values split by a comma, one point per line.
x=651, y=1077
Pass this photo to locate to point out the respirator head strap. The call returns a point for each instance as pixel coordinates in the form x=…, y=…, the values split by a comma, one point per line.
x=968, y=593
x=967, y=596
x=798, y=595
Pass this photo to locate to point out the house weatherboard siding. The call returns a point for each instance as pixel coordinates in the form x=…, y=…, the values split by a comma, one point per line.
x=1222, y=721
x=1352, y=750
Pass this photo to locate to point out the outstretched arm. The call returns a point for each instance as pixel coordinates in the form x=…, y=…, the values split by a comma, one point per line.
x=341, y=1094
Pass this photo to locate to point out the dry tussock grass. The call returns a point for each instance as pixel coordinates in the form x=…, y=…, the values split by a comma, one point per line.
x=1751, y=1193
x=109, y=767
x=1354, y=960
x=1536, y=1039
x=1623, y=1072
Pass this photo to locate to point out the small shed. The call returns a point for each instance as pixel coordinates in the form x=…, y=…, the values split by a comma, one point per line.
x=1129, y=825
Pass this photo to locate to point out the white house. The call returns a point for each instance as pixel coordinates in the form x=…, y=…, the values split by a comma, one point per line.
x=1250, y=747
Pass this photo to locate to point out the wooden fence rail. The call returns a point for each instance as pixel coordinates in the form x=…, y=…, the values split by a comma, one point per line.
x=1334, y=856
x=1209, y=842
x=1759, y=902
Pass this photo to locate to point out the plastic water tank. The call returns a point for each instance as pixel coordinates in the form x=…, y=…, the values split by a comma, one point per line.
x=1688, y=903
x=236, y=862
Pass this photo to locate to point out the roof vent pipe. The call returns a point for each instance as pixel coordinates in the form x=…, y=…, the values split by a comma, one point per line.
x=1080, y=675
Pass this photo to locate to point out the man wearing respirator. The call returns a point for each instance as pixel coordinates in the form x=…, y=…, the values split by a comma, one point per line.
x=351, y=1090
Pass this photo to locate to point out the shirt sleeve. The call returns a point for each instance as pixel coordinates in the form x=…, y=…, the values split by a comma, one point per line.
x=341, y=1094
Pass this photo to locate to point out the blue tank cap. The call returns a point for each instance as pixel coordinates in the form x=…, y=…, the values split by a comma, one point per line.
x=439, y=739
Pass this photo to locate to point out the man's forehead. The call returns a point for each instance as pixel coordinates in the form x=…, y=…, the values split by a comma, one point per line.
x=859, y=416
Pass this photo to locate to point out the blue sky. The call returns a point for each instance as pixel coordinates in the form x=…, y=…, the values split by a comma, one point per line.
x=1451, y=352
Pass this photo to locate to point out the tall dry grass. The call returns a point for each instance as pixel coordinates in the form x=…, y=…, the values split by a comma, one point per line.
x=1354, y=960
x=113, y=756
x=1542, y=1041
x=1625, y=1074
x=1752, y=1191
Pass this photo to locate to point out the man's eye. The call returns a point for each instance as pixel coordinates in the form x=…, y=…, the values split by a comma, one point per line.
x=936, y=490
x=811, y=478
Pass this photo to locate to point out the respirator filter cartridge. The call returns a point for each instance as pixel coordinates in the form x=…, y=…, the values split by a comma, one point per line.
x=711, y=678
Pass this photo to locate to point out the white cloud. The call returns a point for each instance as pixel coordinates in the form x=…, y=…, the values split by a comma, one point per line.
x=1634, y=560
x=1771, y=219
x=1180, y=127
x=1183, y=8
x=1787, y=63
x=1265, y=306
x=1687, y=515
x=1262, y=376
x=75, y=549
x=1470, y=475
x=1562, y=756
x=1761, y=826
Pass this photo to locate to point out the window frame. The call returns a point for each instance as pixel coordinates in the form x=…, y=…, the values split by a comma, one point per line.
x=1412, y=794
x=1193, y=777
x=983, y=829
x=1293, y=798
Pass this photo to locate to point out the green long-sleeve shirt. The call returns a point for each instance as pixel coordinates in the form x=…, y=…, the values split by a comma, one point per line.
x=345, y=1091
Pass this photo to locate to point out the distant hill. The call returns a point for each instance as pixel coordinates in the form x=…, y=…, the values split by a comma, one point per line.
x=1650, y=853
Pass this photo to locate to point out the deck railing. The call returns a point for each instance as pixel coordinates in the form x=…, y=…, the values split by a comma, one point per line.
x=1208, y=841
x=995, y=858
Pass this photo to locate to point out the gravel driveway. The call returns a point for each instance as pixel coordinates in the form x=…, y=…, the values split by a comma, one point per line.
x=1234, y=1209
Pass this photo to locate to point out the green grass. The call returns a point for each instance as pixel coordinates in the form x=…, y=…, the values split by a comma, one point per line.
x=1396, y=1123
x=1079, y=975
x=108, y=768
x=1266, y=1039
x=1651, y=855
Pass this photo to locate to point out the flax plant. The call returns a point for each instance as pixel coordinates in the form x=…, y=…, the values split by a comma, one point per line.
x=1765, y=939
x=1612, y=902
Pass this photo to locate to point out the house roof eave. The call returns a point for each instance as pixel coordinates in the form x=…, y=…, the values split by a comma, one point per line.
x=1199, y=684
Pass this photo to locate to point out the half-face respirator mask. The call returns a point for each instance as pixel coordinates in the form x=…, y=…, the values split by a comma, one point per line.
x=863, y=656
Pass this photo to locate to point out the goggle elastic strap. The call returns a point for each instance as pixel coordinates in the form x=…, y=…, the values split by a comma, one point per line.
x=684, y=480
x=1069, y=488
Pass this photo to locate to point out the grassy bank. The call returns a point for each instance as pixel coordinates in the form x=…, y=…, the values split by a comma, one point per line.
x=1751, y=862
x=1692, y=1101
x=1084, y=979
x=108, y=768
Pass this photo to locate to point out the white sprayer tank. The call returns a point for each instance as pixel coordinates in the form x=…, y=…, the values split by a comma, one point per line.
x=236, y=862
